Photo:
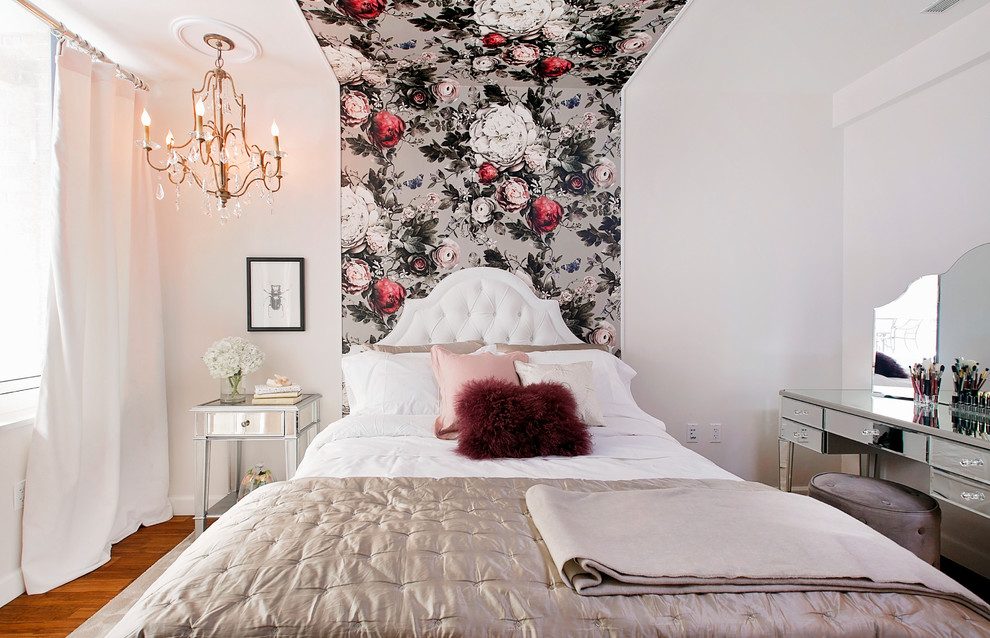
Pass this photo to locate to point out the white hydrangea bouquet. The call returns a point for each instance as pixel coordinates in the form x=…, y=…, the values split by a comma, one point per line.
x=230, y=359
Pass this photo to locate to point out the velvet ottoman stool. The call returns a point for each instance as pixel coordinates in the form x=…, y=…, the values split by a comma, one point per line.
x=910, y=518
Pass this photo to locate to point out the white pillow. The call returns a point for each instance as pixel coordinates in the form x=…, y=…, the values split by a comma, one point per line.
x=611, y=378
x=383, y=383
x=577, y=377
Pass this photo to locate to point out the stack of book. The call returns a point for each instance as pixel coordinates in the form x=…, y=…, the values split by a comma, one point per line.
x=276, y=394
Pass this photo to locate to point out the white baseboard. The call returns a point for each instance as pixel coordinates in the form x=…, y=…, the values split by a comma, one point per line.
x=11, y=586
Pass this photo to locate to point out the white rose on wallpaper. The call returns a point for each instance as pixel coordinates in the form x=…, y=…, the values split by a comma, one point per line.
x=375, y=77
x=536, y=157
x=482, y=209
x=484, y=63
x=516, y=18
x=348, y=64
x=358, y=211
x=603, y=173
x=447, y=254
x=446, y=90
x=557, y=31
x=634, y=44
x=378, y=237
x=500, y=135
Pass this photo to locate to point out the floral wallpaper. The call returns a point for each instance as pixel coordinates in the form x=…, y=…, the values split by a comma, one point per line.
x=484, y=133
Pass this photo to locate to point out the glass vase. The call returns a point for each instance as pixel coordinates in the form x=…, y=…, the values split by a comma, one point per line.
x=255, y=478
x=232, y=390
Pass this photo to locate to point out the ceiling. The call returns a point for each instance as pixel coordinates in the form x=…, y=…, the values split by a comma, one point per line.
x=578, y=43
x=778, y=45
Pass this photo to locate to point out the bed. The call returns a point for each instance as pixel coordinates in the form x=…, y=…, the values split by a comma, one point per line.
x=386, y=530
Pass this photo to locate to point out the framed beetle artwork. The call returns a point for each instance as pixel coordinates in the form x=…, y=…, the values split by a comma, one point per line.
x=276, y=299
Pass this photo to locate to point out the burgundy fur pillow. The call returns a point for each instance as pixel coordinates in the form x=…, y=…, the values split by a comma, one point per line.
x=501, y=420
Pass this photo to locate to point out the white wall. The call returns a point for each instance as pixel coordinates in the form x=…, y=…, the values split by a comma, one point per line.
x=14, y=442
x=732, y=231
x=203, y=263
x=917, y=196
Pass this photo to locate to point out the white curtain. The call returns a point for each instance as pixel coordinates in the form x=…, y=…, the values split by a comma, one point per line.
x=98, y=462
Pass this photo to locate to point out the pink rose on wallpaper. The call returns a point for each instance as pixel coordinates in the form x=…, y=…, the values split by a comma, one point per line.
x=513, y=194
x=603, y=335
x=386, y=129
x=493, y=40
x=354, y=108
x=544, y=215
x=487, y=173
x=362, y=9
x=446, y=90
x=447, y=254
x=522, y=54
x=634, y=44
x=386, y=297
x=602, y=174
x=552, y=67
x=356, y=276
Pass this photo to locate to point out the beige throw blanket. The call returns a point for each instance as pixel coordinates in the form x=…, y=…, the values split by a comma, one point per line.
x=738, y=537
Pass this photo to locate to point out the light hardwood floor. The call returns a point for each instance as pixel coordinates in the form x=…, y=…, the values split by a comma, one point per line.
x=59, y=612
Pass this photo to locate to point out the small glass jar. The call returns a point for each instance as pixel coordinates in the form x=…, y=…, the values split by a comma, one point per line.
x=255, y=478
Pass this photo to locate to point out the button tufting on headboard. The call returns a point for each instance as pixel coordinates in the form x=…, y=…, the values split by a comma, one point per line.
x=484, y=304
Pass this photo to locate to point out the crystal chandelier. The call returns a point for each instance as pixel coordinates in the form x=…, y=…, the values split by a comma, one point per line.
x=217, y=157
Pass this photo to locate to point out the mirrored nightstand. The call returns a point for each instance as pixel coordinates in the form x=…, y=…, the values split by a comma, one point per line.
x=294, y=425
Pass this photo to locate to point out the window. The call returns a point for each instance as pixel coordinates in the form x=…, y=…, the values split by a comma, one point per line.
x=25, y=192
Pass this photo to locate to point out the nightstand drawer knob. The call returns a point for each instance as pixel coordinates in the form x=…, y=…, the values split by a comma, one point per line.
x=246, y=423
x=971, y=462
x=973, y=496
x=871, y=432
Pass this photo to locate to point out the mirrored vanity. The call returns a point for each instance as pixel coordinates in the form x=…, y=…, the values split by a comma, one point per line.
x=942, y=447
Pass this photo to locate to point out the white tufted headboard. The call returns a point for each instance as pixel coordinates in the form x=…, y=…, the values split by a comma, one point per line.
x=485, y=304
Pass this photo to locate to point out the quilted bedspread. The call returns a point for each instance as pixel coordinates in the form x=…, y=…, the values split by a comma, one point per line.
x=460, y=557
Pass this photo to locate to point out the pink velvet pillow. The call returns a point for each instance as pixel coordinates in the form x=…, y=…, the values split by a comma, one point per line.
x=454, y=370
x=499, y=419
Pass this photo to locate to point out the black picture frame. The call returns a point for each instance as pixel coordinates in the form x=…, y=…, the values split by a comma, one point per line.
x=276, y=294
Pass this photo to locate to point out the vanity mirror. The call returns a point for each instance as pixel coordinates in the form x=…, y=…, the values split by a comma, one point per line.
x=938, y=316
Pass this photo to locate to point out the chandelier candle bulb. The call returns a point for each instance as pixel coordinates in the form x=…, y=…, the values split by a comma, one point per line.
x=169, y=140
x=275, y=136
x=200, y=109
x=146, y=120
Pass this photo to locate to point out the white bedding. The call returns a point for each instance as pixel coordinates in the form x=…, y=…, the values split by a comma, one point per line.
x=404, y=445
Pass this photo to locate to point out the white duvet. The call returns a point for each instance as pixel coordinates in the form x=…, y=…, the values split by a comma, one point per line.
x=393, y=445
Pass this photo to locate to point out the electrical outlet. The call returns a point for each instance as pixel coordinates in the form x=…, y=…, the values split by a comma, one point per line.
x=19, y=496
x=716, y=432
x=692, y=433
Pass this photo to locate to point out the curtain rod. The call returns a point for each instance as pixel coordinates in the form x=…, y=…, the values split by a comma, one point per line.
x=60, y=31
